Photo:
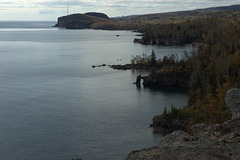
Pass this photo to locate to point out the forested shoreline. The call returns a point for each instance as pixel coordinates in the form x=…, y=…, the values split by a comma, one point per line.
x=214, y=68
x=209, y=72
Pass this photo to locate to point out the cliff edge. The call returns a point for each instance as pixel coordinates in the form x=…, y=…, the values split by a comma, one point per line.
x=81, y=21
x=206, y=142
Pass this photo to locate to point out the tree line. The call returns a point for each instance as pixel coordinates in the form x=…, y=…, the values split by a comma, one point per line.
x=214, y=68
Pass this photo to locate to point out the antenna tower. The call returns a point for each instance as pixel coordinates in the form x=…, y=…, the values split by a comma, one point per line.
x=67, y=8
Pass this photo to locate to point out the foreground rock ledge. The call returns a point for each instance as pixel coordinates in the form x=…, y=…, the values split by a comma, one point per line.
x=179, y=145
x=207, y=142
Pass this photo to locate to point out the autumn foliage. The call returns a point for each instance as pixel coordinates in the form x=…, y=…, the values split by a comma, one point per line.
x=215, y=68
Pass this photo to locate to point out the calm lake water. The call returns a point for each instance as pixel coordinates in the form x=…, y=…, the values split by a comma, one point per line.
x=54, y=105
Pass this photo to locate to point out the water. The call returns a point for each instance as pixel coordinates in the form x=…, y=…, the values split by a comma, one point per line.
x=54, y=105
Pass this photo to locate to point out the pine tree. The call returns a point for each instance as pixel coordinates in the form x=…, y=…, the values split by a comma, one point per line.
x=153, y=58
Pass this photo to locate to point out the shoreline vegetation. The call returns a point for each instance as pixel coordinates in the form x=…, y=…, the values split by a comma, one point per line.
x=166, y=72
x=208, y=73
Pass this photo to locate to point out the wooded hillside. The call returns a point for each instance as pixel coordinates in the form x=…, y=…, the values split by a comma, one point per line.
x=214, y=68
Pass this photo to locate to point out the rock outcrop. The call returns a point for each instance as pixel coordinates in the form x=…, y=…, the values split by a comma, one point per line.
x=206, y=142
x=164, y=124
x=168, y=80
x=136, y=40
x=181, y=146
x=129, y=67
x=138, y=81
x=233, y=102
x=122, y=67
x=159, y=42
x=81, y=21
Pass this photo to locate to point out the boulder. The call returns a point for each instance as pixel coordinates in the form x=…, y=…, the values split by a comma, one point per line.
x=138, y=81
x=232, y=101
x=136, y=40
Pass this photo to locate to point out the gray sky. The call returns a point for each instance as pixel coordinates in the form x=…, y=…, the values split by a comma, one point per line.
x=50, y=10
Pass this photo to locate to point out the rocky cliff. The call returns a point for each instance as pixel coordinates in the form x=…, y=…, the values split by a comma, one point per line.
x=81, y=21
x=168, y=80
x=207, y=142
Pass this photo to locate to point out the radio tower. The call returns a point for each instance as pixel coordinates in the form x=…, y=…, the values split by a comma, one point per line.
x=67, y=8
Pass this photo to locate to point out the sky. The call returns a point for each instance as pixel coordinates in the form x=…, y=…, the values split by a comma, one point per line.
x=50, y=10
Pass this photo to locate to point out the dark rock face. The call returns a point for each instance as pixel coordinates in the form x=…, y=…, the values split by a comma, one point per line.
x=81, y=21
x=164, y=124
x=180, y=79
x=138, y=40
x=77, y=25
x=138, y=81
x=103, y=65
x=122, y=67
x=158, y=42
x=128, y=67
x=232, y=101
x=171, y=80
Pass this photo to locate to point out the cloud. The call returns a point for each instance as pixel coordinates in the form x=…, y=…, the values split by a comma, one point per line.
x=51, y=9
x=65, y=3
x=46, y=12
x=6, y=3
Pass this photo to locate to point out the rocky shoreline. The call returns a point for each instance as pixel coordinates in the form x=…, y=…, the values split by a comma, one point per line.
x=168, y=80
x=168, y=43
x=128, y=67
x=159, y=42
x=206, y=142
x=164, y=124
x=181, y=79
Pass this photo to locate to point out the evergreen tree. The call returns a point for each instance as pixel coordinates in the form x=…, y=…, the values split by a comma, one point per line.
x=153, y=58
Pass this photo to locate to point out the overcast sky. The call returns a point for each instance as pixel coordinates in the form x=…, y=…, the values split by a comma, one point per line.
x=50, y=10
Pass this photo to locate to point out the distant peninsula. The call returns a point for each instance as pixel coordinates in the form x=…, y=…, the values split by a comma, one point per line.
x=82, y=21
x=96, y=20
